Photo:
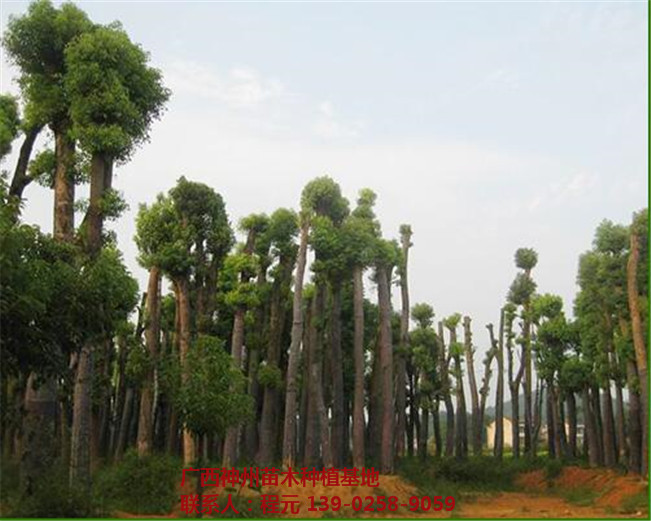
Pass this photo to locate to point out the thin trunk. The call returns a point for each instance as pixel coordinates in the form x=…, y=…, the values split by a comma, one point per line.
x=289, y=427
x=21, y=179
x=620, y=421
x=499, y=396
x=635, y=415
x=358, y=355
x=437, y=429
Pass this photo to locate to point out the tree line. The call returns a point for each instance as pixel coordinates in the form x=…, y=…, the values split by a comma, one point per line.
x=246, y=352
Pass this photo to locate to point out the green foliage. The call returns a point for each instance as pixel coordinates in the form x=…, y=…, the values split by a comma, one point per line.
x=322, y=196
x=9, y=123
x=553, y=469
x=212, y=398
x=526, y=258
x=114, y=94
x=423, y=314
x=36, y=44
x=270, y=375
x=452, y=322
x=521, y=290
x=138, y=363
x=138, y=485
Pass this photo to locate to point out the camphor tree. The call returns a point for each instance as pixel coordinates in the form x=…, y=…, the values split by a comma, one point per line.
x=520, y=294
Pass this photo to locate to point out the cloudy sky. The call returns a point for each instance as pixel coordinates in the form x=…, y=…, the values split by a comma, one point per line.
x=486, y=126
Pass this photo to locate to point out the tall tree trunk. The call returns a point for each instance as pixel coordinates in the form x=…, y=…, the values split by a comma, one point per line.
x=64, y=184
x=386, y=368
x=635, y=414
x=358, y=356
x=474, y=398
x=183, y=306
x=591, y=433
x=437, y=429
x=610, y=450
x=289, y=427
x=81, y=421
x=641, y=354
x=529, y=447
x=152, y=339
x=572, y=420
x=316, y=374
x=312, y=433
x=499, y=395
x=337, y=440
x=401, y=399
x=445, y=390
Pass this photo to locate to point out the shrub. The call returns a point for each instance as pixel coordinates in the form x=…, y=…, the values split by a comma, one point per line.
x=139, y=484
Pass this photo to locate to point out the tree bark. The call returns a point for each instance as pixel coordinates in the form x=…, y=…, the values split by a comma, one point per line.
x=64, y=185
x=641, y=354
x=81, y=422
x=474, y=398
x=317, y=376
x=401, y=399
x=152, y=340
x=499, y=395
x=289, y=427
x=337, y=440
x=358, y=356
x=21, y=179
x=183, y=305
x=445, y=390
x=572, y=420
x=386, y=368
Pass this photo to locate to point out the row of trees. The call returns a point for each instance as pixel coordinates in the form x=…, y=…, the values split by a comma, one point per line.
x=235, y=353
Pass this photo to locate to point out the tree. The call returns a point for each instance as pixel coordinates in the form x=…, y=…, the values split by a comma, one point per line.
x=36, y=42
x=9, y=123
x=639, y=256
x=401, y=365
x=520, y=294
x=499, y=394
x=361, y=229
x=243, y=297
x=282, y=232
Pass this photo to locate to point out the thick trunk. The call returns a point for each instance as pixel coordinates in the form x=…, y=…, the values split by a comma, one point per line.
x=610, y=451
x=289, y=427
x=152, y=339
x=620, y=421
x=317, y=377
x=358, y=356
x=635, y=414
x=312, y=435
x=423, y=435
x=39, y=447
x=591, y=434
x=268, y=417
x=641, y=355
x=183, y=306
x=337, y=369
x=237, y=341
x=437, y=429
x=64, y=185
x=386, y=368
x=81, y=421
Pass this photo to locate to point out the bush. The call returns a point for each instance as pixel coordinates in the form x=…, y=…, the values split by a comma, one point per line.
x=139, y=485
x=51, y=497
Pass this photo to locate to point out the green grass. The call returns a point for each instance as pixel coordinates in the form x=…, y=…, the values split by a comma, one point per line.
x=637, y=503
x=582, y=496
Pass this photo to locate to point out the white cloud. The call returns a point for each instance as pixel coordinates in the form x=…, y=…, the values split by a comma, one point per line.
x=328, y=125
x=240, y=87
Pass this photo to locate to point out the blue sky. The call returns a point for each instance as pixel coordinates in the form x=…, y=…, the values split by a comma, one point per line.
x=486, y=126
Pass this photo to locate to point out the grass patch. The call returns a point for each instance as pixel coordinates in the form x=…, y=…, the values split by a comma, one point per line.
x=636, y=503
x=582, y=496
x=138, y=485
